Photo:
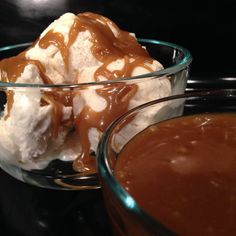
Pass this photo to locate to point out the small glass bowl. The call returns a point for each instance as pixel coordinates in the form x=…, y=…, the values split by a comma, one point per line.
x=60, y=174
x=126, y=216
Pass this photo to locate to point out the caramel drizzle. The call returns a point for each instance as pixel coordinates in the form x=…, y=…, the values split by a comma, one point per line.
x=10, y=100
x=12, y=68
x=117, y=97
x=58, y=99
x=56, y=39
x=106, y=48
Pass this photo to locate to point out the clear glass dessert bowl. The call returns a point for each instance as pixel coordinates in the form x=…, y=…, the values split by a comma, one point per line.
x=67, y=159
x=167, y=178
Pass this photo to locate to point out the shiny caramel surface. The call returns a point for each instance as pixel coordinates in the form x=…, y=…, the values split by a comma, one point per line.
x=182, y=172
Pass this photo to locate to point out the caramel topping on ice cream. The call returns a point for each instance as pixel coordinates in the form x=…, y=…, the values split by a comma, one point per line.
x=109, y=44
x=106, y=46
x=13, y=67
x=117, y=97
x=11, y=70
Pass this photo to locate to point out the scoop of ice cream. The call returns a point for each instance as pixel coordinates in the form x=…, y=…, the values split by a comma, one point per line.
x=40, y=125
x=63, y=59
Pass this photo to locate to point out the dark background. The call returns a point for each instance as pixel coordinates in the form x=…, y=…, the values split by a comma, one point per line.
x=207, y=29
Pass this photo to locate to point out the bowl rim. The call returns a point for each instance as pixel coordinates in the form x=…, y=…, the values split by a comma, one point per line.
x=105, y=172
x=183, y=63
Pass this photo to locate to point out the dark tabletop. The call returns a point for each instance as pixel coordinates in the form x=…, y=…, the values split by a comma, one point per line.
x=207, y=29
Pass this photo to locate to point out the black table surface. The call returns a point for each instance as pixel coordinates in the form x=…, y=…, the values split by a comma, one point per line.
x=27, y=210
x=208, y=30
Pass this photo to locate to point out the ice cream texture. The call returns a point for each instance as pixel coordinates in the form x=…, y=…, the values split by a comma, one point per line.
x=40, y=125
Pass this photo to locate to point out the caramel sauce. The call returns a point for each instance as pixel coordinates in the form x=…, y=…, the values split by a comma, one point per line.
x=10, y=96
x=12, y=68
x=117, y=98
x=182, y=172
x=106, y=47
x=56, y=39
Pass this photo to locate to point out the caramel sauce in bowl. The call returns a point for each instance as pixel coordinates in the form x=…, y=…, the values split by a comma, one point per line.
x=175, y=175
x=83, y=126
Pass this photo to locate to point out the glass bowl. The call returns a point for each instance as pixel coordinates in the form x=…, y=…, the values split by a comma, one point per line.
x=126, y=214
x=55, y=172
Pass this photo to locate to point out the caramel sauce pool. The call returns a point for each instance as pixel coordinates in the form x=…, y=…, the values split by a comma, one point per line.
x=106, y=48
x=183, y=172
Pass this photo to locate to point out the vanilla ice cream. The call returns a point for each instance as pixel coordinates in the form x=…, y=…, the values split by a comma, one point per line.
x=40, y=125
